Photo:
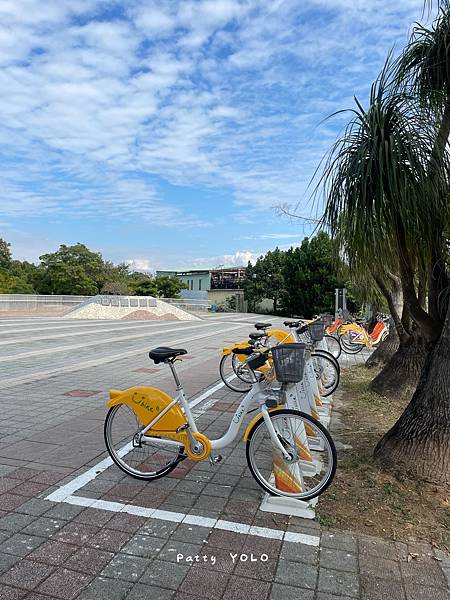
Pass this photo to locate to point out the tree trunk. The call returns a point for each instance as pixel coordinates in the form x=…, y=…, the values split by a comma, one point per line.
x=430, y=329
x=393, y=295
x=385, y=350
x=401, y=373
x=419, y=443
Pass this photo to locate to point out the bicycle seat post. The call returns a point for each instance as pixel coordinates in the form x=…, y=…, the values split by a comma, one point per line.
x=175, y=375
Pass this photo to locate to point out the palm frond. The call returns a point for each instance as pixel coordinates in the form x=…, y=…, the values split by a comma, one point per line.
x=376, y=177
x=424, y=65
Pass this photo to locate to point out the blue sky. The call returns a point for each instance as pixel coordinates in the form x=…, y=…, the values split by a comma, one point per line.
x=165, y=133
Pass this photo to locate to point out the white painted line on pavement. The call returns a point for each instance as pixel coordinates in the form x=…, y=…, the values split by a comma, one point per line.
x=207, y=394
x=47, y=336
x=115, y=339
x=13, y=381
x=198, y=520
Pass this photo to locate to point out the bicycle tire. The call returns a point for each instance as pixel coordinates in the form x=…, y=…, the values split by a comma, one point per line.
x=316, y=424
x=330, y=356
x=334, y=342
x=329, y=389
x=349, y=347
x=225, y=377
x=121, y=464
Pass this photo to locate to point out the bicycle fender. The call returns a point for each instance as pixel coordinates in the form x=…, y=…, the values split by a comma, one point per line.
x=229, y=349
x=281, y=335
x=255, y=420
x=147, y=403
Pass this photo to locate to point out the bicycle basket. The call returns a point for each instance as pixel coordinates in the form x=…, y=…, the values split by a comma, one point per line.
x=289, y=362
x=317, y=330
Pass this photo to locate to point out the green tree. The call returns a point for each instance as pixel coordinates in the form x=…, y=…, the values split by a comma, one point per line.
x=146, y=286
x=72, y=270
x=169, y=287
x=310, y=277
x=254, y=284
x=117, y=279
x=28, y=273
x=273, y=266
x=5, y=254
x=115, y=288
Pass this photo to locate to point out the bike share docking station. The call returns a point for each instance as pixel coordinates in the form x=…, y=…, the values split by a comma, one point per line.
x=306, y=397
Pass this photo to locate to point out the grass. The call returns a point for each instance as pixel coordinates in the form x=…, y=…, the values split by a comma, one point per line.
x=363, y=497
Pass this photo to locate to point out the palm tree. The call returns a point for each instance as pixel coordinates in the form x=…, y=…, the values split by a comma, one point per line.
x=385, y=188
x=424, y=69
x=379, y=197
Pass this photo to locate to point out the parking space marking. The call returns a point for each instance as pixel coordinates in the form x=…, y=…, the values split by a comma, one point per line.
x=37, y=376
x=197, y=520
x=69, y=488
x=65, y=494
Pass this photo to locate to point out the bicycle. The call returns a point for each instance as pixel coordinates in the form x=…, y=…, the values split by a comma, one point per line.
x=354, y=336
x=289, y=453
x=232, y=367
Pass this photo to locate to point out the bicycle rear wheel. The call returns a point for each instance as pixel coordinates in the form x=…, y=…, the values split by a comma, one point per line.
x=235, y=373
x=314, y=458
x=151, y=460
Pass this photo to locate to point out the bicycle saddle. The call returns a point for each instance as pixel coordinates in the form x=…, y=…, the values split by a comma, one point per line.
x=164, y=353
x=256, y=336
x=262, y=325
x=291, y=323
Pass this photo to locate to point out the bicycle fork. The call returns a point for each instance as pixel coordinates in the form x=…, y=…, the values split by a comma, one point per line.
x=273, y=434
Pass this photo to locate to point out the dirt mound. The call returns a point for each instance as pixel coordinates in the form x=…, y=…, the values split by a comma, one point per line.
x=169, y=317
x=145, y=315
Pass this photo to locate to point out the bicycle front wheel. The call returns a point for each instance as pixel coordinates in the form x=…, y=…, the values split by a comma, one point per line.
x=333, y=345
x=348, y=345
x=313, y=462
x=327, y=371
x=235, y=373
x=150, y=460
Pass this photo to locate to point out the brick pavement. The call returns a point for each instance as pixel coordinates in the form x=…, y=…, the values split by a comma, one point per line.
x=49, y=434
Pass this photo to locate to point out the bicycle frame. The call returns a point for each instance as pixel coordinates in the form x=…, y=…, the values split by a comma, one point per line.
x=359, y=334
x=254, y=398
x=334, y=327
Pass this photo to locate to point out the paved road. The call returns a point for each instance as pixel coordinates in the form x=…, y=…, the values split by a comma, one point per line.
x=55, y=377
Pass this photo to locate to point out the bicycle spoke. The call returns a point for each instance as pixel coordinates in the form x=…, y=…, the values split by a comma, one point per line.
x=312, y=467
x=146, y=461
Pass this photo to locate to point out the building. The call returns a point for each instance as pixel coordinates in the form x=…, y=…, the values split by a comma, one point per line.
x=213, y=285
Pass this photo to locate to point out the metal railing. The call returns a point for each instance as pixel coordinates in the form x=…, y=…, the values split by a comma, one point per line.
x=30, y=302
x=190, y=304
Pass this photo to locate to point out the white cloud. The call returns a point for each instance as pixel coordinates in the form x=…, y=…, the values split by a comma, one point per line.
x=238, y=259
x=140, y=264
x=270, y=236
x=212, y=93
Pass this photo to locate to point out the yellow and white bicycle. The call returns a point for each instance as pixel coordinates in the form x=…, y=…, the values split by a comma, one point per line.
x=233, y=369
x=289, y=453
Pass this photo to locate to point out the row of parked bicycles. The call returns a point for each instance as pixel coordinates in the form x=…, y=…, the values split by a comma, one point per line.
x=352, y=336
x=285, y=377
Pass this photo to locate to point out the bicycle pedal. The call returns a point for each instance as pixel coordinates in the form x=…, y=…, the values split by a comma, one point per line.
x=214, y=460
